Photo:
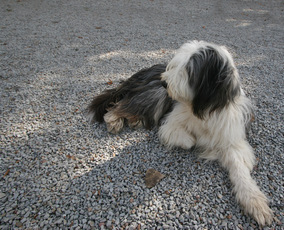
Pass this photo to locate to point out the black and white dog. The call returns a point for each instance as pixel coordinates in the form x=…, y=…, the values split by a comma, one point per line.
x=196, y=100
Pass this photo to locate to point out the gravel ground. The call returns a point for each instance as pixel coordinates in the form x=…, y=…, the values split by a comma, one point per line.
x=58, y=171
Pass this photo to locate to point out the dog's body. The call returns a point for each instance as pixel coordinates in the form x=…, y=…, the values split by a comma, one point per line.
x=196, y=100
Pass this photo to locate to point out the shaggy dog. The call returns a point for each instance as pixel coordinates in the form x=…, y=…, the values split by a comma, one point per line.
x=196, y=100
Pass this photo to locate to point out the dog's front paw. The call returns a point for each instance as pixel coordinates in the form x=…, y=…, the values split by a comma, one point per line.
x=181, y=139
x=259, y=210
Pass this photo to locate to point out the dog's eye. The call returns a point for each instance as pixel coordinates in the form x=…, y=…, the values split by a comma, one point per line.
x=164, y=84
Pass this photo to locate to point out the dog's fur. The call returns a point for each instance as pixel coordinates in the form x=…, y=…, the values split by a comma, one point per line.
x=196, y=100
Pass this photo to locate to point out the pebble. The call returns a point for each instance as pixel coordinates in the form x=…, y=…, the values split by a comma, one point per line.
x=2, y=195
x=18, y=224
x=92, y=223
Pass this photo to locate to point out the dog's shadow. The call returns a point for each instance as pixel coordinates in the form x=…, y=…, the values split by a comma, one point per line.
x=113, y=191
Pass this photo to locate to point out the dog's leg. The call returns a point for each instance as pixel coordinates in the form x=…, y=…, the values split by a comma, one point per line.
x=114, y=122
x=239, y=161
x=135, y=124
x=172, y=134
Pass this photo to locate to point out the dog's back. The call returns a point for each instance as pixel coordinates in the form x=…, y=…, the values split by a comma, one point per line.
x=141, y=98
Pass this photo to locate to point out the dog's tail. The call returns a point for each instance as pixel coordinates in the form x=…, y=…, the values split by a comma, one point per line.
x=101, y=103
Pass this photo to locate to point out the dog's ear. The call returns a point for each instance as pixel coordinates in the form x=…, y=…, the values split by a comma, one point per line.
x=213, y=80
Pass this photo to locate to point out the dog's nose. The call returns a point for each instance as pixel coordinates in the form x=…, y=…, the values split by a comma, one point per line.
x=164, y=84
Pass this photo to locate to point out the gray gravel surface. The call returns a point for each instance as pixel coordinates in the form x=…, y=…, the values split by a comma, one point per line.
x=58, y=171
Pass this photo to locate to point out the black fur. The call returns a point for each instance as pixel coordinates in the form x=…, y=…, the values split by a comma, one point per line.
x=211, y=79
x=141, y=97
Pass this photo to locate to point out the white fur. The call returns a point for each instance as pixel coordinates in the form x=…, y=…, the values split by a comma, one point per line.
x=221, y=135
x=176, y=75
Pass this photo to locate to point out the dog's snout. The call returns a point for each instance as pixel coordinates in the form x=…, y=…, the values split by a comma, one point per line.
x=164, y=84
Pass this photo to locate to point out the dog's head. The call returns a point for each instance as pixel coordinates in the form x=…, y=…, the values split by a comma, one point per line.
x=203, y=75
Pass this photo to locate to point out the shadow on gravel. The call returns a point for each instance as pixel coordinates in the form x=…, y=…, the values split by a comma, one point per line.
x=110, y=190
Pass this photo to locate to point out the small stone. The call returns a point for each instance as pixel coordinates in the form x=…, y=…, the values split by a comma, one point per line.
x=224, y=224
x=59, y=221
x=133, y=226
x=165, y=226
x=108, y=224
x=101, y=224
x=2, y=195
x=229, y=217
x=18, y=224
x=92, y=223
x=117, y=221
